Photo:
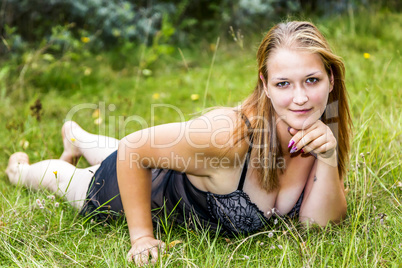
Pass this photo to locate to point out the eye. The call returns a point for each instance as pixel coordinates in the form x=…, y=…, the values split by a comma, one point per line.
x=312, y=80
x=282, y=84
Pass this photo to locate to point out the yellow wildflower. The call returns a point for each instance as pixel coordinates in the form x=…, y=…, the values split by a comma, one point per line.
x=72, y=139
x=366, y=55
x=174, y=243
x=95, y=114
x=156, y=96
x=194, y=97
x=85, y=39
x=55, y=173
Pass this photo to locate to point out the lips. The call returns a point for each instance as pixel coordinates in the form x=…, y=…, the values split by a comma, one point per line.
x=301, y=111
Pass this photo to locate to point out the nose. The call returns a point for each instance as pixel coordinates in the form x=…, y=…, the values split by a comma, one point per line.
x=299, y=96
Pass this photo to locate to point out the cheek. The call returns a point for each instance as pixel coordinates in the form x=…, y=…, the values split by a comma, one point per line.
x=320, y=98
x=281, y=99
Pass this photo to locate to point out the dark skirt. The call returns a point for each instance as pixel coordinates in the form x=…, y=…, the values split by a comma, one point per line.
x=171, y=192
x=103, y=196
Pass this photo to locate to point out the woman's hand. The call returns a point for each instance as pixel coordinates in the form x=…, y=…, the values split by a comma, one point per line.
x=318, y=139
x=142, y=247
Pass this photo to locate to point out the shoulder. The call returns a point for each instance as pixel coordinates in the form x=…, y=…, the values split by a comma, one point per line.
x=209, y=135
x=214, y=127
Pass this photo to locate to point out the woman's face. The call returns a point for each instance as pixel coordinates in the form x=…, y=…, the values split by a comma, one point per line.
x=298, y=86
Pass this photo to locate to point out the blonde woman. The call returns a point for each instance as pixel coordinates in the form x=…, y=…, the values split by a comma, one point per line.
x=282, y=153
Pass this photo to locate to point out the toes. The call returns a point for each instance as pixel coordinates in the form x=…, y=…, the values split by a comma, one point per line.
x=69, y=142
x=18, y=158
x=13, y=162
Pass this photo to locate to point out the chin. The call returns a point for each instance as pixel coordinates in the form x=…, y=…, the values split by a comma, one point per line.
x=302, y=124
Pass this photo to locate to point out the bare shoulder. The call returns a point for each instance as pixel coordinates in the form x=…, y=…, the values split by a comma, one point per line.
x=214, y=128
x=205, y=137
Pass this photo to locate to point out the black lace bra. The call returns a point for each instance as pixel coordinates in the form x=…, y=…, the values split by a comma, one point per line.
x=235, y=211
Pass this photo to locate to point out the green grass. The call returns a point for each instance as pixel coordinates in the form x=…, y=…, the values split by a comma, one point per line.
x=59, y=237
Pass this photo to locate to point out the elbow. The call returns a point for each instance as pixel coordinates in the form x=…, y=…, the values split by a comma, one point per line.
x=337, y=216
x=329, y=217
x=342, y=213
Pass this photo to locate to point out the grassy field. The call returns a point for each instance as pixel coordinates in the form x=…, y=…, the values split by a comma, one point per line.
x=206, y=75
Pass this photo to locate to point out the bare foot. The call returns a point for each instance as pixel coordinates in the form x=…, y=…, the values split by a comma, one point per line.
x=14, y=161
x=71, y=152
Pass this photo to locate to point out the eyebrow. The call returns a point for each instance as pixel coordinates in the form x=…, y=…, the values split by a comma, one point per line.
x=313, y=73
x=284, y=78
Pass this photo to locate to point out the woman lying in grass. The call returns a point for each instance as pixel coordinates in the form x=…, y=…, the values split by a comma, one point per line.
x=282, y=153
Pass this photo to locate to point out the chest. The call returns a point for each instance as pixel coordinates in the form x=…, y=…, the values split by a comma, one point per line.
x=291, y=184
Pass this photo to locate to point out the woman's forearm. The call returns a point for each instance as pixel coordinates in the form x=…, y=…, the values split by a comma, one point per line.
x=326, y=200
x=135, y=192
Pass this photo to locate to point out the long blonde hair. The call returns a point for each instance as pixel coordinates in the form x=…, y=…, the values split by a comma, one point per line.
x=299, y=35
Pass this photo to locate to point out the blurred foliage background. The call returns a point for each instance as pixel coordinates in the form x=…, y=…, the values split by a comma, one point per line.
x=106, y=24
x=42, y=39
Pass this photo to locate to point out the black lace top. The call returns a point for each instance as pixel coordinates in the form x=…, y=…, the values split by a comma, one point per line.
x=234, y=211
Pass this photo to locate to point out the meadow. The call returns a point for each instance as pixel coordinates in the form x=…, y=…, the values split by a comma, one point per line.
x=115, y=85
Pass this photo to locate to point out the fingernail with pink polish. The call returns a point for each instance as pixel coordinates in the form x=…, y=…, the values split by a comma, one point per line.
x=294, y=149
x=291, y=143
x=302, y=151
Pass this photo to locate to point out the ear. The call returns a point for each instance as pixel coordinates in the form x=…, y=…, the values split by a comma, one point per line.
x=331, y=81
x=264, y=84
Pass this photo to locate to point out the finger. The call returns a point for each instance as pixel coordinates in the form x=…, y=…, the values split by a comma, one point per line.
x=327, y=138
x=310, y=141
x=326, y=150
x=292, y=131
x=130, y=256
x=314, y=144
x=162, y=246
x=304, y=137
x=137, y=259
x=297, y=137
x=144, y=257
x=141, y=258
x=154, y=254
x=301, y=139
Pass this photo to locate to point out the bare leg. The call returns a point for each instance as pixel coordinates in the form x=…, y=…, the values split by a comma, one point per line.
x=56, y=175
x=77, y=142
